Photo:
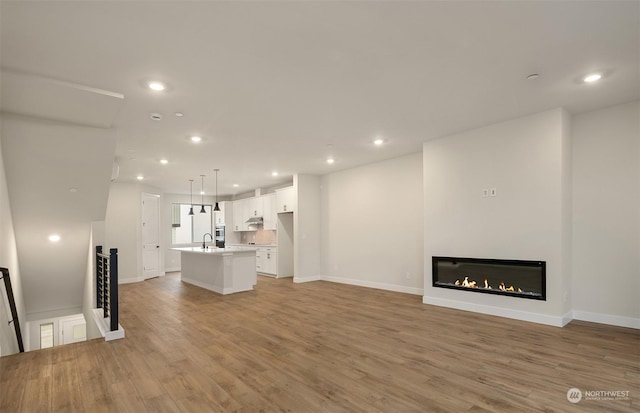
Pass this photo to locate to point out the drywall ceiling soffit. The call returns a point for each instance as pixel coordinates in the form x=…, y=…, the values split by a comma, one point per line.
x=41, y=97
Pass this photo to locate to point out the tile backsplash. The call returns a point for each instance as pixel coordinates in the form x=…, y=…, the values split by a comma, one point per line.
x=259, y=237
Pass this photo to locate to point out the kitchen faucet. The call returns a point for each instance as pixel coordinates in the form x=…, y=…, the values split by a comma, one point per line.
x=204, y=246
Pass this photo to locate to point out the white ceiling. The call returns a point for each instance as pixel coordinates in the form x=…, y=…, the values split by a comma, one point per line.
x=269, y=85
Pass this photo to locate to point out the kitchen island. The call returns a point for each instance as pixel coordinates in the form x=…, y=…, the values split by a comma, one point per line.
x=223, y=270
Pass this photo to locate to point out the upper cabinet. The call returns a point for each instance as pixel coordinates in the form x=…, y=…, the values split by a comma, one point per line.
x=255, y=207
x=238, y=214
x=285, y=200
x=266, y=206
x=269, y=215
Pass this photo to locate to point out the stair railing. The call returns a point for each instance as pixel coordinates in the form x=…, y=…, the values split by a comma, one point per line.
x=12, y=306
x=107, y=285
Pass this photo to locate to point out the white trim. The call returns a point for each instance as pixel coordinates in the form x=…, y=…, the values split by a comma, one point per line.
x=374, y=284
x=566, y=318
x=129, y=280
x=171, y=269
x=103, y=326
x=500, y=312
x=614, y=320
x=299, y=280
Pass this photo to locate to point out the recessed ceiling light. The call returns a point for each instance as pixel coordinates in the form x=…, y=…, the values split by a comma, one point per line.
x=164, y=161
x=235, y=185
x=157, y=86
x=139, y=177
x=533, y=76
x=378, y=142
x=155, y=116
x=330, y=161
x=73, y=190
x=196, y=139
x=179, y=114
x=592, y=77
x=274, y=173
x=54, y=237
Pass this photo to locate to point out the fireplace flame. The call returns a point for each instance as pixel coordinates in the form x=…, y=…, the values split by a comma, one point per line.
x=473, y=284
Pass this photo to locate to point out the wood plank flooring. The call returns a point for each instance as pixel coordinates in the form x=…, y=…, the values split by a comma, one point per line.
x=320, y=347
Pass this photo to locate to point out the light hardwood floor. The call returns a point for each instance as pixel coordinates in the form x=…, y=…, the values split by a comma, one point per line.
x=320, y=347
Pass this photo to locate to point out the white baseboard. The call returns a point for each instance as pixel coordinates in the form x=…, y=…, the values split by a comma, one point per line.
x=374, y=284
x=614, y=320
x=299, y=280
x=172, y=269
x=129, y=280
x=103, y=326
x=500, y=311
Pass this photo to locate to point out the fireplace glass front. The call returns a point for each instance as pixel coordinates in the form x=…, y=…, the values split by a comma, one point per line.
x=516, y=278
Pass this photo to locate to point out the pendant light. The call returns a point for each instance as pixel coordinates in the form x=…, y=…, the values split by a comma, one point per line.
x=202, y=210
x=216, y=208
x=191, y=209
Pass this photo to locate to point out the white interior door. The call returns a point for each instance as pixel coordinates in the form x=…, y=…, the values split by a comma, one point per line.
x=73, y=330
x=150, y=235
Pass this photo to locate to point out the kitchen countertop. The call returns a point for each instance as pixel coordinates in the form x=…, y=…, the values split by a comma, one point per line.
x=254, y=245
x=216, y=251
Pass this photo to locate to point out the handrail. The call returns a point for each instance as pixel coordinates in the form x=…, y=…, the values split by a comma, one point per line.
x=12, y=306
x=107, y=285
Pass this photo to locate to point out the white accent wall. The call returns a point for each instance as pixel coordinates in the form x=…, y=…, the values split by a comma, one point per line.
x=528, y=163
x=606, y=215
x=371, y=225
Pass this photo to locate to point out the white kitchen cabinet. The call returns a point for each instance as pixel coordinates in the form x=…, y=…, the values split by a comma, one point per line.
x=259, y=260
x=269, y=261
x=266, y=260
x=285, y=200
x=255, y=207
x=269, y=214
x=248, y=211
x=238, y=221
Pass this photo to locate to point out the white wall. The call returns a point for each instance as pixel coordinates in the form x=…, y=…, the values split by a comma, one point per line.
x=43, y=161
x=306, y=228
x=606, y=215
x=372, y=233
x=9, y=259
x=89, y=300
x=526, y=160
x=123, y=228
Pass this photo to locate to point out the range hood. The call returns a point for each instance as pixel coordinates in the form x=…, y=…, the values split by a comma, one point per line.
x=254, y=221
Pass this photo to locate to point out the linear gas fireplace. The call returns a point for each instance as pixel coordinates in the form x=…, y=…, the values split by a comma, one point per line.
x=525, y=279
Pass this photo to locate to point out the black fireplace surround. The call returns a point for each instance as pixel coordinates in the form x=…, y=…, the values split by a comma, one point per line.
x=515, y=278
